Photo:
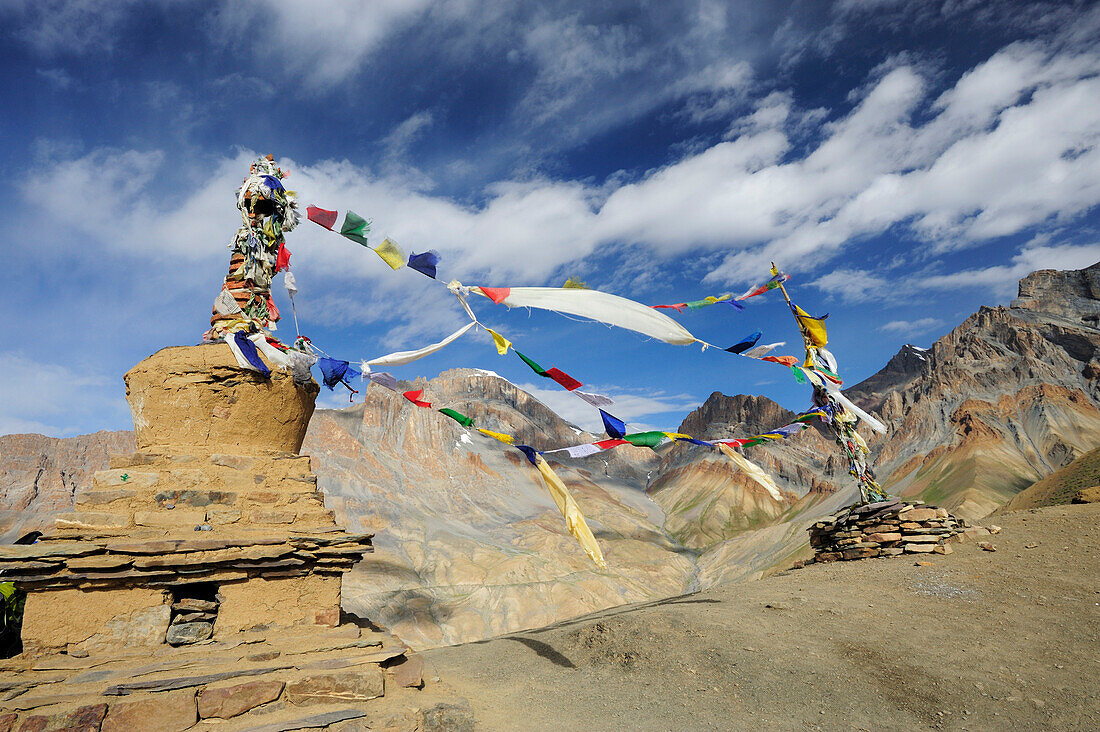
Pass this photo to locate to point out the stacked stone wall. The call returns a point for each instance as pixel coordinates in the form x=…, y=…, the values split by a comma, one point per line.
x=884, y=529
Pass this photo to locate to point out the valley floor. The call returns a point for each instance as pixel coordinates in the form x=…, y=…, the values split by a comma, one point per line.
x=979, y=640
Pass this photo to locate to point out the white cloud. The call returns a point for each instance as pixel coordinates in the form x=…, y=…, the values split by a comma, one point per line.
x=53, y=399
x=920, y=325
x=1002, y=279
x=852, y=285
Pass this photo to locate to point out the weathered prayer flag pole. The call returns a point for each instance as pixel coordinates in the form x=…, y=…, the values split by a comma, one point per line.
x=842, y=422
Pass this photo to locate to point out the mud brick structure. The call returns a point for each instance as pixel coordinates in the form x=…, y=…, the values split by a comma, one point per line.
x=214, y=526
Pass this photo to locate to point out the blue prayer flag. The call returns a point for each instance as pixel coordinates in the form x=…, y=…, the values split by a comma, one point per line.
x=424, y=263
x=248, y=350
x=745, y=344
x=614, y=426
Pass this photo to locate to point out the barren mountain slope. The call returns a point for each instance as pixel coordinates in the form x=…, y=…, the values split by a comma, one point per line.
x=1007, y=397
x=1061, y=486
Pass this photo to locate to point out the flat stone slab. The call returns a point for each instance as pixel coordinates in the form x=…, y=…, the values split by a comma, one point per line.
x=186, y=681
x=358, y=686
x=229, y=701
x=310, y=721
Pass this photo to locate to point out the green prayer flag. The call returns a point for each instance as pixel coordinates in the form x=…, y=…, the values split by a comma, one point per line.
x=645, y=439
x=798, y=375
x=534, y=366
x=355, y=227
x=462, y=419
x=696, y=304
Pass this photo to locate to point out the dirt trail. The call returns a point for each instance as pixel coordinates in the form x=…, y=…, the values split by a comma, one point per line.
x=981, y=641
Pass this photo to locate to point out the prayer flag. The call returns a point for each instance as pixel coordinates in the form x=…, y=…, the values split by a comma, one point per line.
x=534, y=366
x=496, y=294
x=381, y=378
x=785, y=360
x=645, y=439
x=530, y=452
x=459, y=417
x=424, y=263
x=390, y=254
x=596, y=400
x=752, y=470
x=761, y=351
x=814, y=328
x=608, y=444
x=746, y=343
x=244, y=351
x=290, y=283
x=322, y=216
x=506, y=439
x=614, y=426
x=580, y=451
x=414, y=397
x=567, y=381
x=502, y=343
x=335, y=371
x=355, y=227
x=574, y=519
x=282, y=260
x=798, y=375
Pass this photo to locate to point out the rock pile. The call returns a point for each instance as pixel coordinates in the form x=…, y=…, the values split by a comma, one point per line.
x=885, y=529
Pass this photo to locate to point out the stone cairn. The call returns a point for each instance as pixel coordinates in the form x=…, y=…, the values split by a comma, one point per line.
x=885, y=529
x=200, y=577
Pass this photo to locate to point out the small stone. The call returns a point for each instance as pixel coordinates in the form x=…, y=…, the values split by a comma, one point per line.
x=994, y=529
x=943, y=549
x=342, y=688
x=166, y=712
x=187, y=633
x=986, y=546
x=924, y=564
x=1031, y=546
x=194, y=617
x=827, y=557
x=230, y=701
x=195, y=605
x=918, y=514
x=919, y=548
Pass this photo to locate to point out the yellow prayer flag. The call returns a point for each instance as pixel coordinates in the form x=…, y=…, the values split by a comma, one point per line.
x=813, y=327
x=390, y=254
x=506, y=439
x=674, y=435
x=752, y=470
x=574, y=519
x=502, y=343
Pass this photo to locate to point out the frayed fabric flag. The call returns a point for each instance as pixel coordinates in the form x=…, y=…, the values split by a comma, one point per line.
x=424, y=263
x=226, y=304
x=614, y=426
x=798, y=375
x=403, y=357
x=459, y=417
x=248, y=350
x=574, y=519
x=580, y=451
x=785, y=360
x=335, y=372
x=502, y=343
x=355, y=227
x=322, y=217
x=414, y=397
x=761, y=351
x=290, y=284
x=390, y=254
x=746, y=343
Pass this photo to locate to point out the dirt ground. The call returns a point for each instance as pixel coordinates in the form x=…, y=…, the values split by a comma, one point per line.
x=1004, y=640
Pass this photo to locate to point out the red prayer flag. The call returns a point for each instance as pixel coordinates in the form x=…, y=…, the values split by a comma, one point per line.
x=496, y=294
x=282, y=260
x=785, y=360
x=414, y=397
x=272, y=311
x=678, y=306
x=322, y=216
x=563, y=378
x=607, y=444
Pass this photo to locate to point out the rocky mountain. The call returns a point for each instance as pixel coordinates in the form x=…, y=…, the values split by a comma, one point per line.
x=1001, y=401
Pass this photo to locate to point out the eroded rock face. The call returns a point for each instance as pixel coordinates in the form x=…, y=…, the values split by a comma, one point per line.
x=196, y=399
x=1007, y=397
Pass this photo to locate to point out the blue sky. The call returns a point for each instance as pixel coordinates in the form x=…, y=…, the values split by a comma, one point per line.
x=904, y=162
